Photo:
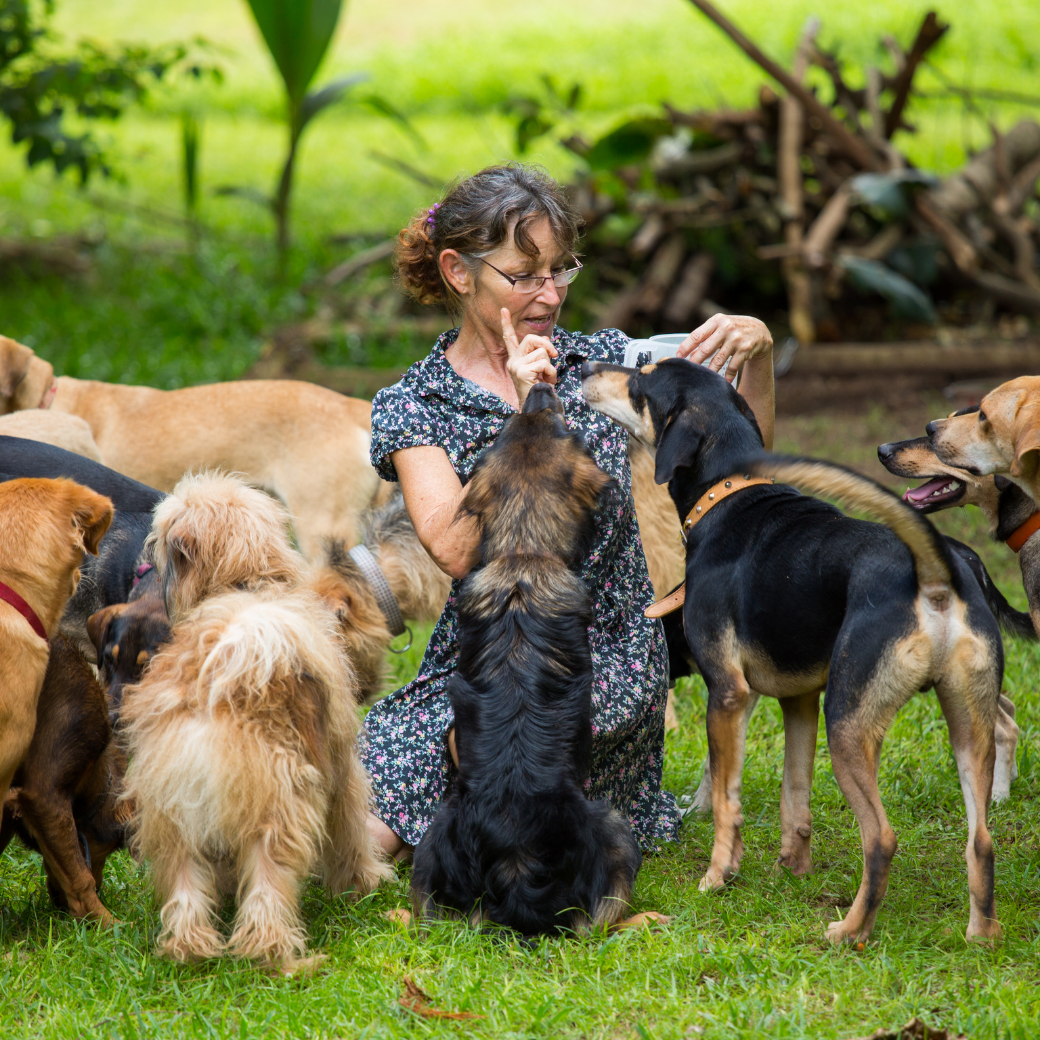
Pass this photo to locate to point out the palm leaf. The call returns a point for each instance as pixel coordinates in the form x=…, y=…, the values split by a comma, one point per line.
x=297, y=33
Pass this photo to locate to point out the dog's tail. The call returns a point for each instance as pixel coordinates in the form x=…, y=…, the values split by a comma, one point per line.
x=934, y=571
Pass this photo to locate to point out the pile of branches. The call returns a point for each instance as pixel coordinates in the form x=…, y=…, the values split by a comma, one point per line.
x=807, y=204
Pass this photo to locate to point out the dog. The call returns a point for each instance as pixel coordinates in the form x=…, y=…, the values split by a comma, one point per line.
x=1001, y=436
x=244, y=772
x=126, y=636
x=45, y=526
x=413, y=588
x=517, y=843
x=261, y=428
x=787, y=597
x=63, y=801
x=63, y=431
x=1013, y=517
x=109, y=577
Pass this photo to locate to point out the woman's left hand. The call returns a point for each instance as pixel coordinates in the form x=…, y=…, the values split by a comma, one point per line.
x=727, y=336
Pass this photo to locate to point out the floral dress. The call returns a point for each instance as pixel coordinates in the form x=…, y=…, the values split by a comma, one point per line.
x=404, y=741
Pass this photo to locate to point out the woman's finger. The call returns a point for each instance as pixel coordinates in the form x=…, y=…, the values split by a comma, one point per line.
x=530, y=343
x=713, y=343
x=509, y=333
x=698, y=336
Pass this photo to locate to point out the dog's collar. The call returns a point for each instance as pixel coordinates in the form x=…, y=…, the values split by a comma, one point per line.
x=48, y=395
x=712, y=497
x=1023, y=533
x=373, y=574
x=10, y=596
x=141, y=572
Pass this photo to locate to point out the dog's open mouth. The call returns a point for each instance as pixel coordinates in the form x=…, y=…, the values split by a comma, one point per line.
x=939, y=491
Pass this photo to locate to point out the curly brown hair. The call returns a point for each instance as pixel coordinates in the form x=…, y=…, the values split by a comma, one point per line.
x=477, y=215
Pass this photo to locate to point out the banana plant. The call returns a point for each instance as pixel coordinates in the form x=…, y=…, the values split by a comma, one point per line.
x=298, y=33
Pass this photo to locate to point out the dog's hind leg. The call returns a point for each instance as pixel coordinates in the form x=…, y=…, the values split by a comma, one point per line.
x=970, y=722
x=267, y=925
x=187, y=885
x=1005, y=732
x=801, y=723
x=49, y=818
x=702, y=797
x=728, y=695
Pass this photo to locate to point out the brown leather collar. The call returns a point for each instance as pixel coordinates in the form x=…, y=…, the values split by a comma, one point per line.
x=712, y=497
x=1022, y=534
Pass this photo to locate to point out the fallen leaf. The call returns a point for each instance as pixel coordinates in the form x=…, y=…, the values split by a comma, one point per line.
x=414, y=999
x=915, y=1029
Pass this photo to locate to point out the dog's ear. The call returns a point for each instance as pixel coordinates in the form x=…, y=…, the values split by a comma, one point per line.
x=15, y=360
x=92, y=516
x=1026, y=434
x=98, y=624
x=677, y=445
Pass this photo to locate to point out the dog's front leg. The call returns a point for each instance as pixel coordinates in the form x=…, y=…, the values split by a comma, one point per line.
x=727, y=729
x=801, y=723
x=702, y=797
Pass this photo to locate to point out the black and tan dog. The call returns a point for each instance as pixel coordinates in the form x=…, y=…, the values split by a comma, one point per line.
x=786, y=596
x=64, y=800
x=517, y=843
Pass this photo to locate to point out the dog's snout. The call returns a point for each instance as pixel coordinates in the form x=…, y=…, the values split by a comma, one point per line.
x=885, y=452
x=931, y=429
x=589, y=368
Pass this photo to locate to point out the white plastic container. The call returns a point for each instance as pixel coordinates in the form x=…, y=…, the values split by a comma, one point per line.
x=659, y=348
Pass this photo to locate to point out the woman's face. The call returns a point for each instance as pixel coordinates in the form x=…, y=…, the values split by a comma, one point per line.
x=486, y=292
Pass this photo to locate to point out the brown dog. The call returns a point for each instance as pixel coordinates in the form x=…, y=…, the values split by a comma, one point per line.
x=63, y=802
x=1003, y=436
x=303, y=443
x=126, y=636
x=44, y=527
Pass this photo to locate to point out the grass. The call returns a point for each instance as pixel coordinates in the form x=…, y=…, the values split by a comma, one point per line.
x=749, y=962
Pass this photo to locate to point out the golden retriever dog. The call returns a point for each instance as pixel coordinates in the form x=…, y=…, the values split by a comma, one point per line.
x=1002, y=436
x=45, y=526
x=244, y=770
x=63, y=431
x=303, y=443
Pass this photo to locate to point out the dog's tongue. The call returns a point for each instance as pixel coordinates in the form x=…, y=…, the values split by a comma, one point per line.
x=917, y=495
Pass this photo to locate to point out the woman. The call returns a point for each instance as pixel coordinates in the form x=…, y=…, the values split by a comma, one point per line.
x=498, y=251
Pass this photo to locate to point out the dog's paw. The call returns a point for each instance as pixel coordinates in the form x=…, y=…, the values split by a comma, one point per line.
x=301, y=967
x=839, y=932
x=796, y=863
x=713, y=881
x=399, y=916
x=986, y=930
x=647, y=919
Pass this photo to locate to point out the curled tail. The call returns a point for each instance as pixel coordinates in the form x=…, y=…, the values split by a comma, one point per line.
x=867, y=496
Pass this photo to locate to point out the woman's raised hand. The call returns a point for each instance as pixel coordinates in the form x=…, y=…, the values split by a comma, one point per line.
x=529, y=360
x=733, y=336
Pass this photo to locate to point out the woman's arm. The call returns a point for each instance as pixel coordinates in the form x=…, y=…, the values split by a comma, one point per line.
x=432, y=495
x=749, y=346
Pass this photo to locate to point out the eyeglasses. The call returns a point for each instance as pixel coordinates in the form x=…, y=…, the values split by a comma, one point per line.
x=529, y=283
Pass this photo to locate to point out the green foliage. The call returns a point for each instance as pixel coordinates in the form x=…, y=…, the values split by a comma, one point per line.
x=905, y=299
x=628, y=144
x=538, y=114
x=298, y=33
x=38, y=88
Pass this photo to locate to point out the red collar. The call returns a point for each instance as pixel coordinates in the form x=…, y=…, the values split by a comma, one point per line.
x=10, y=596
x=1022, y=534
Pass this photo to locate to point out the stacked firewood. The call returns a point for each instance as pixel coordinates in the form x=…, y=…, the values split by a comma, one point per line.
x=810, y=201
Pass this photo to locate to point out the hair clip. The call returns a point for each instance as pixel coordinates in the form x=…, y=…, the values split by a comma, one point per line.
x=432, y=212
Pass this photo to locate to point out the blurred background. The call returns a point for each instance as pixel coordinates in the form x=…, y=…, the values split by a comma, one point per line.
x=209, y=189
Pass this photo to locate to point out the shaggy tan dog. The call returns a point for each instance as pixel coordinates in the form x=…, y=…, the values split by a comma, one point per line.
x=242, y=733
x=45, y=525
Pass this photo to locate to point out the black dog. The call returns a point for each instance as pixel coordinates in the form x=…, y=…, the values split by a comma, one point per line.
x=108, y=577
x=786, y=596
x=517, y=843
